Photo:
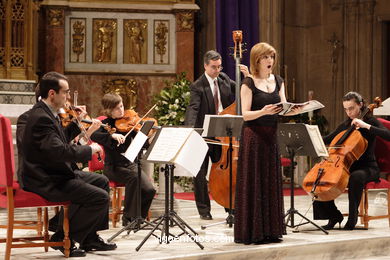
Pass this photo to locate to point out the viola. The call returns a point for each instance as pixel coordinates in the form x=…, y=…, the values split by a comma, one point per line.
x=329, y=178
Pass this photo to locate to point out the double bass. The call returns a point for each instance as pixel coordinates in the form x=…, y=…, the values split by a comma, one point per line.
x=329, y=178
x=222, y=184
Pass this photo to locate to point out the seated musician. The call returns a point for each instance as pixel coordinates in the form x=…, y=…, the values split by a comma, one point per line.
x=116, y=167
x=48, y=169
x=362, y=171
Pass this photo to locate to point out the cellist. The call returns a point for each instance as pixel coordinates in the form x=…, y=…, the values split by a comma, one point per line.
x=362, y=171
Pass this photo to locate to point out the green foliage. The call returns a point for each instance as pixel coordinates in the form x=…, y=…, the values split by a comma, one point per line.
x=172, y=101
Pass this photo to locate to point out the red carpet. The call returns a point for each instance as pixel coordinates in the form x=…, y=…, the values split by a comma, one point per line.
x=190, y=195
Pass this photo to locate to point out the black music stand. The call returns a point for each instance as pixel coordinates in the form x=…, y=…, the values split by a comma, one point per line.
x=170, y=217
x=294, y=139
x=221, y=126
x=139, y=222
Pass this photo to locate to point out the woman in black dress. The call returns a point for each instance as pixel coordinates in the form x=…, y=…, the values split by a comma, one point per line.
x=362, y=171
x=259, y=210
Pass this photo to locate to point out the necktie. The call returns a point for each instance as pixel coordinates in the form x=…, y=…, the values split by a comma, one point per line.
x=216, y=100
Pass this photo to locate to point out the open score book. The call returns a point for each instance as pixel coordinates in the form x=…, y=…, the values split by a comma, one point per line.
x=306, y=106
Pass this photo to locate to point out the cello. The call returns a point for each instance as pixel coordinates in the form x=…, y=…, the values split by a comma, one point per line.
x=222, y=184
x=329, y=178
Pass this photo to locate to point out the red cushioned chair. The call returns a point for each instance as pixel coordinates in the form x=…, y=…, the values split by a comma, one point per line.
x=14, y=197
x=382, y=151
x=116, y=202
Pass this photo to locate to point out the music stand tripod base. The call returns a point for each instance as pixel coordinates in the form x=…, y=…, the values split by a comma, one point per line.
x=170, y=216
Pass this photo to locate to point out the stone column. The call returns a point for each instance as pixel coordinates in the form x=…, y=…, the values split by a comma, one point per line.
x=54, y=39
x=185, y=42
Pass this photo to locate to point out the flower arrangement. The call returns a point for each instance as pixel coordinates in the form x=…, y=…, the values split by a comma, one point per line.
x=172, y=101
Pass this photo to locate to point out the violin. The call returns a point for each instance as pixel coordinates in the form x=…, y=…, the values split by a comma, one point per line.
x=329, y=178
x=131, y=121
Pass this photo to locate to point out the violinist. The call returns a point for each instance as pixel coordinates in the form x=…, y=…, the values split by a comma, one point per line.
x=362, y=171
x=48, y=169
x=209, y=94
x=116, y=167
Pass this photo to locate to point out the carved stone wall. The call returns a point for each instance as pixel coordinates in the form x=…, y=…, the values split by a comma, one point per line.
x=101, y=43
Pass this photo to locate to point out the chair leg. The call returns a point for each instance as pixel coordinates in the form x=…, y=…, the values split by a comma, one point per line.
x=119, y=204
x=365, y=214
x=388, y=205
x=10, y=224
x=39, y=222
x=113, y=207
x=45, y=227
x=65, y=227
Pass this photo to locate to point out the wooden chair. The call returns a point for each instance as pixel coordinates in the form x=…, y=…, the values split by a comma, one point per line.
x=14, y=197
x=116, y=198
x=382, y=151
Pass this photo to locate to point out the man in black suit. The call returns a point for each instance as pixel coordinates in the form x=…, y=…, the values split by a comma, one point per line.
x=48, y=168
x=210, y=94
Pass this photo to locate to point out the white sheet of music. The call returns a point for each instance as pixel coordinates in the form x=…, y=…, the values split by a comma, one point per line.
x=191, y=156
x=168, y=144
x=136, y=145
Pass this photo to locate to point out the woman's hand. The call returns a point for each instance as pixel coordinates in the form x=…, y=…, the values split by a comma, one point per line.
x=271, y=109
x=294, y=111
x=358, y=123
x=119, y=138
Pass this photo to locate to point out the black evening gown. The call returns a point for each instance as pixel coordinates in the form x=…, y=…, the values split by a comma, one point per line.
x=259, y=210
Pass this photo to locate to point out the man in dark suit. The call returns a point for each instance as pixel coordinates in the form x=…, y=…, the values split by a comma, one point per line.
x=48, y=168
x=210, y=94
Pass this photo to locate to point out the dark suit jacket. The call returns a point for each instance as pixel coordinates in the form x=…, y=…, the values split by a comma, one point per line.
x=48, y=154
x=202, y=102
x=20, y=126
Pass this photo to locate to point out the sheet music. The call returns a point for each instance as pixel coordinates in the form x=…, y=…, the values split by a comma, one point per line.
x=317, y=141
x=169, y=143
x=190, y=160
x=135, y=146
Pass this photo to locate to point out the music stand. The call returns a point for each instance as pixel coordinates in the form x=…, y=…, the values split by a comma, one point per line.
x=169, y=217
x=136, y=150
x=294, y=139
x=221, y=126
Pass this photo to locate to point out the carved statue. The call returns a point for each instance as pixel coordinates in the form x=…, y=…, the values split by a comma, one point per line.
x=135, y=30
x=105, y=38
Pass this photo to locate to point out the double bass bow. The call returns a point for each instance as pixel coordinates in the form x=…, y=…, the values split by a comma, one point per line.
x=329, y=178
x=222, y=184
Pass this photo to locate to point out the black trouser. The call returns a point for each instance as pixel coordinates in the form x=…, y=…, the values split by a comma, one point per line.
x=201, y=190
x=89, y=197
x=358, y=178
x=128, y=174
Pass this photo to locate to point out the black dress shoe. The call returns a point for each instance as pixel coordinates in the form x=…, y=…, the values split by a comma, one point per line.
x=206, y=216
x=97, y=244
x=333, y=221
x=74, y=251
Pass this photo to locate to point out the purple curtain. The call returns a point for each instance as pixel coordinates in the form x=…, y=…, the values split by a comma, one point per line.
x=236, y=15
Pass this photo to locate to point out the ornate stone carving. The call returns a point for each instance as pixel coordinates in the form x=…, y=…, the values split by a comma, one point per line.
x=55, y=17
x=78, y=36
x=104, y=40
x=161, y=33
x=126, y=88
x=185, y=21
x=135, y=49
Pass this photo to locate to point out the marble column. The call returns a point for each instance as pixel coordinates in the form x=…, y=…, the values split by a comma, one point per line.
x=54, y=39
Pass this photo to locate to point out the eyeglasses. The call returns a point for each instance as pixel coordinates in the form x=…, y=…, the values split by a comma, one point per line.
x=217, y=67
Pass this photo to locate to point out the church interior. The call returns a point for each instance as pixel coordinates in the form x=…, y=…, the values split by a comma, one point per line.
x=150, y=51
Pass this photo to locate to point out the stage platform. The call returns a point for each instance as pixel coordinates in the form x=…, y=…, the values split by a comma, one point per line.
x=218, y=242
